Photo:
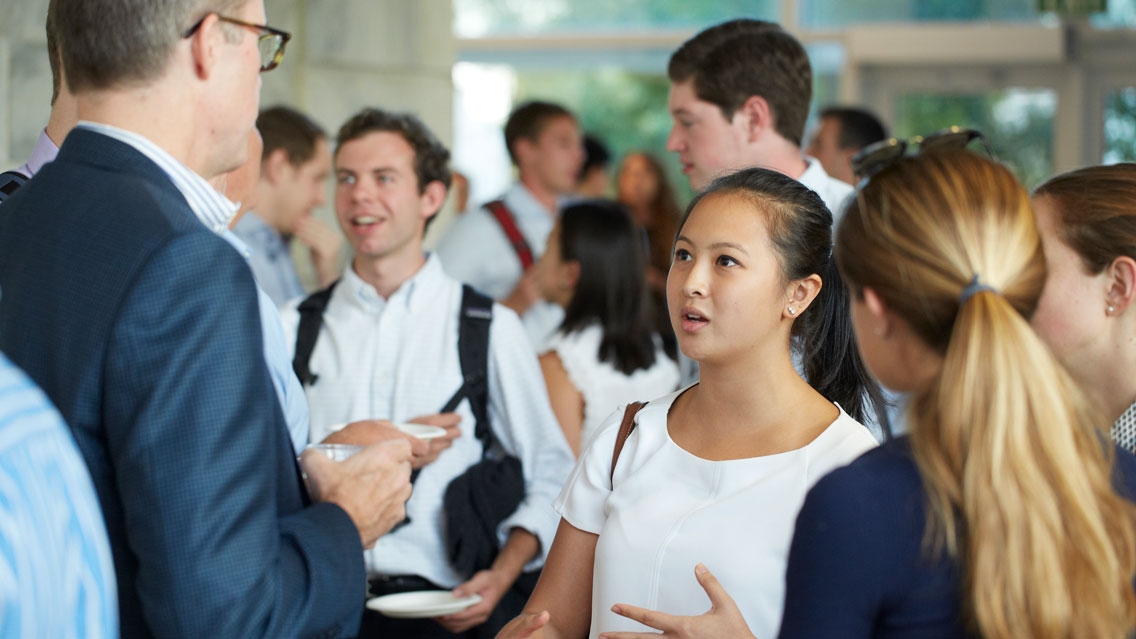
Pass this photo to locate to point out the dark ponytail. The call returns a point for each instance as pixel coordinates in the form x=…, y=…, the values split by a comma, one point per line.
x=827, y=337
x=800, y=229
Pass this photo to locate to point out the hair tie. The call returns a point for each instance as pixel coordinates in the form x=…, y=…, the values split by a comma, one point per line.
x=974, y=288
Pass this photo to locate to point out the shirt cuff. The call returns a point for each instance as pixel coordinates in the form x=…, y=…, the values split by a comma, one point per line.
x=540, y=520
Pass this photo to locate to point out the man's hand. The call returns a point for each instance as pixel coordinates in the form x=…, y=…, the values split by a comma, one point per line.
x=491, y=585
x=373, y=431
x=722, y=620
x=372, y=486
x=324, y=243
x=434, y=447
x=526, y=293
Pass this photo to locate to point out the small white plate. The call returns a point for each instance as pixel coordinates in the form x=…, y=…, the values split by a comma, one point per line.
x=423, y=604
x=421, y=431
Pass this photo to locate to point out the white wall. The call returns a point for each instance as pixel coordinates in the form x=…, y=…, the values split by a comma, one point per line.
x=344, y=55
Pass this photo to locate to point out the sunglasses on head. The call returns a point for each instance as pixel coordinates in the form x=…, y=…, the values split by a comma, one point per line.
x=875, y=157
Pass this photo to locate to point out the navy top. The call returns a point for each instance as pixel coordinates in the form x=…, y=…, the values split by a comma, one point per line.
x=857, y=565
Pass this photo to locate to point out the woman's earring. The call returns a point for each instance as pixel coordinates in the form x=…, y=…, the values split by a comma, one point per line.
x=792, y=311
x=1109, y=310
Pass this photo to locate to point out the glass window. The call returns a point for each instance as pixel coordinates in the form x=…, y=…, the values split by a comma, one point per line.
x=477, y=18
x=1121, y=13
x=623, y=104
x=837, y=13
x=1120, y=126
x=1018, y=123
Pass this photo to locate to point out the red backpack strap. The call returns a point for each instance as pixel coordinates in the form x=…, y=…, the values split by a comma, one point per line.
x=625, y=429
x=505, y=218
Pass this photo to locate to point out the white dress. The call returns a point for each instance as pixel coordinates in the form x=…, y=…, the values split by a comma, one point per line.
x=671, y=510
x=603, y=386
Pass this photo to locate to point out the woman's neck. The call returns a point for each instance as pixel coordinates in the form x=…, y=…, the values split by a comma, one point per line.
x=749, y=409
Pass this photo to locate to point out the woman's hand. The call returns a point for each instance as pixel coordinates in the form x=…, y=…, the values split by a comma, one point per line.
x=723, y=620
x=525, y=627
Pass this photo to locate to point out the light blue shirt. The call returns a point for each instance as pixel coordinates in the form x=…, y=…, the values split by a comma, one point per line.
x=271, y=261
x=56, y=572
x=288, y=388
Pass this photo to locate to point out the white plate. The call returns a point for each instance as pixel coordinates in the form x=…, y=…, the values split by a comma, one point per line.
x=423, y=604
x=421, y=431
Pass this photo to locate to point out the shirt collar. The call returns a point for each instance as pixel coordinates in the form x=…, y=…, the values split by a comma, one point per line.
x=522, y=203
x=814, y=174
x=211, y=208
x=44, y=153
x=412, y=295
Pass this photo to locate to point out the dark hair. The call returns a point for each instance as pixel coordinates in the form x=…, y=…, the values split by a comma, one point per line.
x=800, y=230
x=110, y=43
x=528, y=120
x=1095, y=208
x=431, y=157
x=596, y=155
x=600, y=235
x=285, y=128
x=858, y=127
x=52, y=29
x=736, y=60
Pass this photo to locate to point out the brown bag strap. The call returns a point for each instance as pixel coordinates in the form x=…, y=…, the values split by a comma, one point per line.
x=625, y=429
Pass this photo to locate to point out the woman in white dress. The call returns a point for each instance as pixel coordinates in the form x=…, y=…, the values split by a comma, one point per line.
x=716, y=474
x=605, y=353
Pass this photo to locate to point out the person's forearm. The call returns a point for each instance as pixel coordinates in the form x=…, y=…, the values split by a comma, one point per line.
x=518, y=551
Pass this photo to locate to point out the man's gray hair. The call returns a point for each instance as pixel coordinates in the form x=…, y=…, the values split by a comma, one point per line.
x=113, y=43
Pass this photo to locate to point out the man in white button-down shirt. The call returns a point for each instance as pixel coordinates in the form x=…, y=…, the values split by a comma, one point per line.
x=388, y=348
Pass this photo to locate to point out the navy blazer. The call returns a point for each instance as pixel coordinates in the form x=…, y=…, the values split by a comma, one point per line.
x=142, y=327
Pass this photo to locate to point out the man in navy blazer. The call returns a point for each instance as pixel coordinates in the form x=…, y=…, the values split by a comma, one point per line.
x=122, y=302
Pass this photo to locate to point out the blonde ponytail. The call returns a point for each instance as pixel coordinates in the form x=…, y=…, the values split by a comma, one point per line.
x=1016, y=467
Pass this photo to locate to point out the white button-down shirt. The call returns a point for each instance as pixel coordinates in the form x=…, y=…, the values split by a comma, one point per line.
x=834, y=192
x=398, y=359
x=475, y=250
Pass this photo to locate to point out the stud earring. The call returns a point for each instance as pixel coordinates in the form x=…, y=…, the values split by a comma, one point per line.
x=1109, y=310
x=792, y=311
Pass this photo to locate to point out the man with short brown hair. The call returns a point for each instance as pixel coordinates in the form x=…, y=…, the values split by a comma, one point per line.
x=494, y=247
x=294, y=168
x=739, y=97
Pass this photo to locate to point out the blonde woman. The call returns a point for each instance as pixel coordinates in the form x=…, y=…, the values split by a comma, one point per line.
x=1003, y=512
x=1087, y=220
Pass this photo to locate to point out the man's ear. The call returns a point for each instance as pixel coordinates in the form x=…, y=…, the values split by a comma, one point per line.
x=758, y=116
x=432, y=199
x=878, y=311
x=523, y=150
x=273, y=167
x=1121, y=283
x=204, y=46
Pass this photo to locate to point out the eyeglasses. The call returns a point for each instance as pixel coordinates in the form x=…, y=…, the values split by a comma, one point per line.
x=270, y=41
x=876, y=157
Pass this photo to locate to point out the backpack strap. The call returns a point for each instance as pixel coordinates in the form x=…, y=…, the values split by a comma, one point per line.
x=508, y=224
x=473, y=352
x=311, y=320
x=9, y=182
x=625, y=429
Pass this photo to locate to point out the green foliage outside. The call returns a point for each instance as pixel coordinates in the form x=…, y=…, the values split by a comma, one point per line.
x=1018, y=123
x=628, y=111
x=1120, y=126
